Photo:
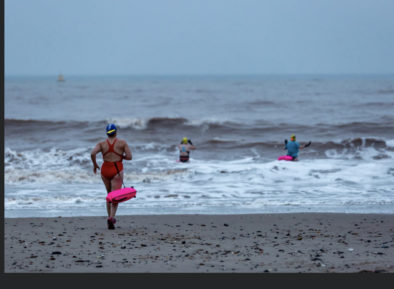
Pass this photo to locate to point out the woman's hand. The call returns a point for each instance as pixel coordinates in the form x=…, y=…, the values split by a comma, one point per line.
x=95, y=168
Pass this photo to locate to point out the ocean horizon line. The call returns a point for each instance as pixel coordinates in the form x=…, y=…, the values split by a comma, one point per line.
x=164, y=75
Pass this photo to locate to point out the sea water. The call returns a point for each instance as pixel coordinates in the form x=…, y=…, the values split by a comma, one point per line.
x=238, y=125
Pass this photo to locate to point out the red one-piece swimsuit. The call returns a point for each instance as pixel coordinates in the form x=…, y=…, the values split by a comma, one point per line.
x=108, y=169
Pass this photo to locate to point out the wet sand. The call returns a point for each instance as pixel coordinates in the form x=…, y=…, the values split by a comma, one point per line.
x=261, y=243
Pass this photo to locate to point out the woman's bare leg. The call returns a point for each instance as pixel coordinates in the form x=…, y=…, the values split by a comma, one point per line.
x=107, y=184
x=116, y=184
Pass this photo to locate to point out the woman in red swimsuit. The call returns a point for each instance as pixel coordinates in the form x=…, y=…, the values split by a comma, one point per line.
x=114, y=152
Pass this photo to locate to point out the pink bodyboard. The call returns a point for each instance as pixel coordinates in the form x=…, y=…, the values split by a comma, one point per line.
x=121, y=195
x=285, y=158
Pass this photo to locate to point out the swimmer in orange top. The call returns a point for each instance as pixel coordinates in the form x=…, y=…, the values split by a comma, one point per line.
x=114, y=151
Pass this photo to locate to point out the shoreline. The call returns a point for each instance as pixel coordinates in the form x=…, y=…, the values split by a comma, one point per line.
x=247, y=243
x=121, y=215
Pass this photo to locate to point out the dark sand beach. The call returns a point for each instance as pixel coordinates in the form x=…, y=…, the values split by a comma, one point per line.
x=256, y=243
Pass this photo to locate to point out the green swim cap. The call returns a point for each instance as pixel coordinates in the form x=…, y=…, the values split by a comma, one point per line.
x=184, y=140
x=293, y=137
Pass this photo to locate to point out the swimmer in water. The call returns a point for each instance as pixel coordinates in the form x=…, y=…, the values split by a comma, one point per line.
x=293, y=147
x=185, y=147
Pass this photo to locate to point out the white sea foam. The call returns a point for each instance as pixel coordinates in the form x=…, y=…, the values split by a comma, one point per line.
x=390, y=143
x=38, y=180
x=208, y=120
x=136, y=123
x=140, y=124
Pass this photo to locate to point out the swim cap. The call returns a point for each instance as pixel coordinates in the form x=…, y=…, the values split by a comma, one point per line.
x=293, y=137
x=184, y=140
x=111, y=129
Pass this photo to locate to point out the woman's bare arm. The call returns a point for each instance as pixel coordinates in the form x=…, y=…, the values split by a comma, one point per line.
x=93, y=154
x=127, y=156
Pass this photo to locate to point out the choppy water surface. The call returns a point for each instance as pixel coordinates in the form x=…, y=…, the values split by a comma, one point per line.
x=238, y=125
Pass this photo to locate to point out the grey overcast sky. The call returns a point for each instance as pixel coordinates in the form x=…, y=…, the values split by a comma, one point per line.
x=106, y=37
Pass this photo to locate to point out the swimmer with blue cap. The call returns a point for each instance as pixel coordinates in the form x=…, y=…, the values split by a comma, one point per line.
x=111, y=129
x=114, y=151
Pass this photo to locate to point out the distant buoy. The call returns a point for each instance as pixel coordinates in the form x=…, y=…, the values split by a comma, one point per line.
x=60, y=78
